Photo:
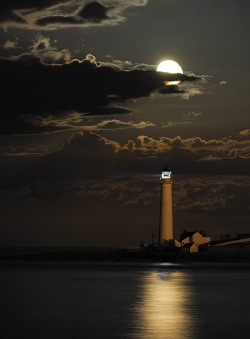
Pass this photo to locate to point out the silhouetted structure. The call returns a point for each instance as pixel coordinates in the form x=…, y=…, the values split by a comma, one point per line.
x=191, y=241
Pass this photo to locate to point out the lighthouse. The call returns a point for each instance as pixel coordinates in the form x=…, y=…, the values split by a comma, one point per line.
x=166, y=233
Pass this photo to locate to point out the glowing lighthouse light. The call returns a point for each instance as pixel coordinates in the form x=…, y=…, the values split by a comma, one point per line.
x=166, y=174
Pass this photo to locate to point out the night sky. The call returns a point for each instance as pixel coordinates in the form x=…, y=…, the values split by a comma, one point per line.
x=87, y=124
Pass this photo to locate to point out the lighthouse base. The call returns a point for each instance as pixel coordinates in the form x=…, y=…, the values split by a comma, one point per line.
x=171, y=243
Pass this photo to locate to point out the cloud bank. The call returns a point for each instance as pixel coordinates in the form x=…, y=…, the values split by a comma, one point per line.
x=32, y=88
x=59, y=14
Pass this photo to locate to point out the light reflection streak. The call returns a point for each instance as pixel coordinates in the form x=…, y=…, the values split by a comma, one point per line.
x=163, y=309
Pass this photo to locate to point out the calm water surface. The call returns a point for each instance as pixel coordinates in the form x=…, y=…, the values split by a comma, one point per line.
x=124, y=300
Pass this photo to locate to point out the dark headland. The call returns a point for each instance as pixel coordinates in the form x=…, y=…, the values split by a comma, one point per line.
x=150, y=253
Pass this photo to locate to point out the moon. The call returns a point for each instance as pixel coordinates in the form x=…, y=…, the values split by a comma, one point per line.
x=170, y=66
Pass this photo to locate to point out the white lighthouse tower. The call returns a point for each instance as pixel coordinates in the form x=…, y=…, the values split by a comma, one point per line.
x=166, y=232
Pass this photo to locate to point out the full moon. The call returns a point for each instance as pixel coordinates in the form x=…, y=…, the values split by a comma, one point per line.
x=170, y=66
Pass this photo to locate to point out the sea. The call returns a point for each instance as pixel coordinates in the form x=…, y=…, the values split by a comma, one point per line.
x=136, y=300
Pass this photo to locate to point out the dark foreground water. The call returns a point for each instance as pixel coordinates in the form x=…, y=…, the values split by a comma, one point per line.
x=124, y=300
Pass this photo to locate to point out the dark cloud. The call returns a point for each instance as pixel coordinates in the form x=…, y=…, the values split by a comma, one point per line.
x=94, y=11
x=9, y=16
x=111, y=110
x=58, y=19
x=211, y=195
x=171, y=89
x=22, y=151
x=94, y=155
x=8, y=8
x=32, y=88
x=90, y=155
x=206, y=195
x=53, y=14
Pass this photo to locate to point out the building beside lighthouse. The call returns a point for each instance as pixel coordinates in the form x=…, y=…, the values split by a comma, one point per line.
x=166, y=230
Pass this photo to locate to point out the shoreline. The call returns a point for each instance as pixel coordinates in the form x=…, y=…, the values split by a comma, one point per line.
x=128, y=255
